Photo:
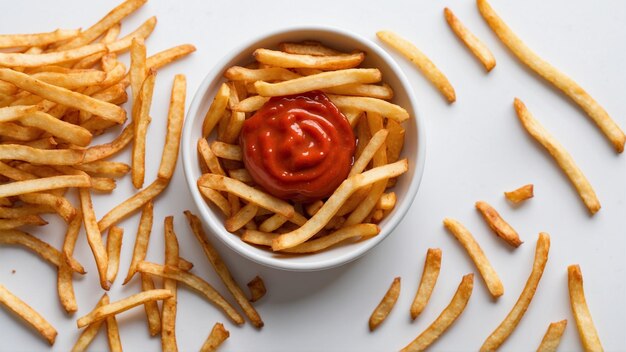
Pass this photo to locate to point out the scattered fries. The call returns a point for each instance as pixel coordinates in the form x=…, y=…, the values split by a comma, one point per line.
x=586, y=329
x=504, y=330
x=494, y=285
x=520, y=194
x=90, y=332
x=432, y=266
x=447, y=317
x=476, y=46
x=560, y=155
x=498, y=225
x=610, y=129
x=552, y=338
x=386, y=305
x=29, y=315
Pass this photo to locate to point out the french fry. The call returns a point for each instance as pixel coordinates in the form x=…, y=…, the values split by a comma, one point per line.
x=138, y=71
x=24, y=210
x=35, y=60
x=209, y=157
x=90, y=331
x=489, y=275
x=12, y=113
x=308, y=48
x=242, y=217
x=60, y=205
x=194, y=282
x=94, y=237
x=227, y=151
x=168, y=312
x=122, y=305
x=387, y=201
x=552, y=338
x=504, y=330
x=423, y=63
x=152, y=309
x=218, y=335
x=140, y=124
x=498, y=225
x=175, y=119
x=520, y=194
x=170, y=55
x=40, y=156
x=250, y=104
x=64, y=96
x=184, y=264
x=72, y=79
x=36, y=39
x=220, y=268
x=286, y=60
x=103, y=167
x=142, y=240
x=560, y=155
x=336, y=200
x=367, y=153
x=386, y=304
x=41, y=248
x=61, y=129
x=114, y=246
x=65, y=286
x=257, y=288
x=476, y=46
x=9, y=224
x=238, y=73
x=102, y=151
x=432, y=266
x=216, y=110
x=142, y=32
x=27, y=314
x=379, y=106
x=364, y=90
x=550, y=73
x=218, y=199
x=584, y=322
x=71, y=235
x=318, y=81
x=447, y=317
x=113, y=334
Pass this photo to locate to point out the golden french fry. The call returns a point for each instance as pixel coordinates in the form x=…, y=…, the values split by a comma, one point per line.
x=64, y=96
x=386, y=304
x=58, y=128
x=504, y=330
x=91, y=331
x=560, y=155
x=113, y=334
x=140, y=123
x=175, y=119
x=364, y=90
x=114, y=246
x=275, y=221
x=41, y=248
x=40, y=156
x=168, y=312
x=102, y=151
x=209, y=157
x=286, y=60
x=184, y=264
x=257, y=288
x=552, y=338
x=60, y=205
x=432, y=266
x=103, y=167
x=498, y=225
x=227, y=151
x=241, y=218
x=387, y=201
x=194, y=282
x=36, y=39
x=65, y=286
x=308, y=48
x=152, y=309
x=221, y=269
x=35, y=220
x=12, y=113
x=138, y=71
x=520, y=194
x=494, y=285
x=238, y=73
x=167, y=56
x=94, y=237
x=122, y=305
x=318, y=81
x=218, y=199
x=447, y=317
x=35, y=60
x=216, y=110
x=423, y=63
x=584, y=322
x=551, y=74
x=24, y=210
x=379, y=106
x=142, y=32
x=476, y=46
x=251, y=104
x=218, y=335
x=141, y=241
x=28, y=314
x=336, y=200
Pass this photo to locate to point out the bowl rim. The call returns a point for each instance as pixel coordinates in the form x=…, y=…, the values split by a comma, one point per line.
x=239, y=246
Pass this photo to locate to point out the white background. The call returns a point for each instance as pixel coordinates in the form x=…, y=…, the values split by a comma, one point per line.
x=476, y=149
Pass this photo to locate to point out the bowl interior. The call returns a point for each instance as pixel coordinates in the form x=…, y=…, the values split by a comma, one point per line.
x=405, y=188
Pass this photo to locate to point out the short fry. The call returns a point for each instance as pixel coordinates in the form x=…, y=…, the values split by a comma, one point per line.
x=552, y=338
x=114, y=246
x=520, y=194
x=498, y=225
x=386, y=304
x=257, y=288
x=476, y=46
x=432, y=266
x=218, y=335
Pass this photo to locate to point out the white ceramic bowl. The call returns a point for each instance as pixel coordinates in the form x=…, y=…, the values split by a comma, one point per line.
x=414, y=147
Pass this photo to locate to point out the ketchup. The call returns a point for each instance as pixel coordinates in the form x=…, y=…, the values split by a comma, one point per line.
x=298, y=147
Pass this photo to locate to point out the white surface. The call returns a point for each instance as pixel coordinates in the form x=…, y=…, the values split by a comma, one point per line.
x=414, y=148
x=476, y=150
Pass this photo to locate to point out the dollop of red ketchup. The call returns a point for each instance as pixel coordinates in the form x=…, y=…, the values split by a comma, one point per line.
x=298, y=147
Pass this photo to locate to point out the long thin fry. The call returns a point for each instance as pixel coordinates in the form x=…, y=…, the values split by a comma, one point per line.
x=113, y=334
x=216, y=110
x=586, y=328
x=65, y=286
x=476, y=46
x=432, y=266
x=36, y=39
x=286, y=60
x=40, y=156
x=142, y=240
x=140, y=123
x=91, y=331
x=175, y=119
x=550, y=73
x=152, y=308
x=504, y=330
x=32, y=60
x=94, y=237
x=168, y=312
x=29, y=315
x=386, y=304
x=114, y=246
x=167, y=56
x=43, y=184
x=41, y=248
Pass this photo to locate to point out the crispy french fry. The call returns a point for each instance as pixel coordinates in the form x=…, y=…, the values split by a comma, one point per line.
x=227, y=151
x=379, y=106
x=250, y=104
x=40, y=156
x=12, y=113
x=498, y=225
x=194, y=282
x=432, y=266
x=122, y=305
x=308, y=48
x=504, y=330
x=141, y=241
x=36, y=39
x=113, y=334
x=65, y=285
x=584, y=322
x=60, y=205
x=94, y=237
x=221, y=269
x=140, y=123
x=168, y=313
x=58, y=128
x=90, y=331
x=27, y=314
x=114, y=246
x=476, y=46
x=138, y=71
x=386, y=304
x=102, y=151
x=447, y=317
x=241, y=218
x=423, y=63
x=257, y=288
x=152, y=309
x=103, y=167
x=142, y=32
x=286, y=60
x=167, y=56
x=560, y=155
x=35, y=60
x=218, y=199
x=318, y=81
x=209, y=157
x=35, y=220
x=550, y=73
x=238, y=73
x=494, y=285
x=520, y=194
x=552, y=338
x=363, y=90
x=218, y=335
x=216, y=110
x=175, y=119
x=367, y=153
x=41, y=248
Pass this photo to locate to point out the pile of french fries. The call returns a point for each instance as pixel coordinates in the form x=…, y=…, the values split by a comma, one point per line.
x=358, y=204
